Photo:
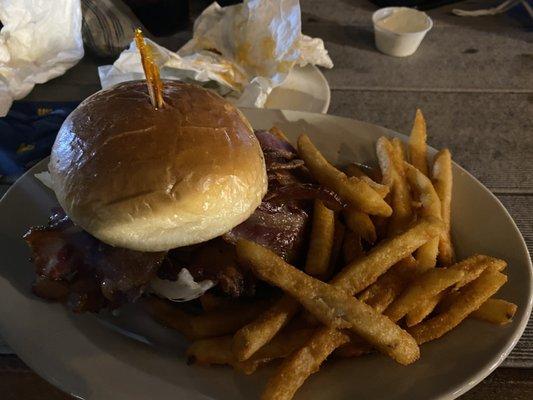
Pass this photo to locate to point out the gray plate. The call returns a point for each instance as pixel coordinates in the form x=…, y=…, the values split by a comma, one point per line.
x=130, y=357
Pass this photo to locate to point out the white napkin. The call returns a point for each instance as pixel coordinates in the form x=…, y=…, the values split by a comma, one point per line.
x=245, y=50
x=39, y=41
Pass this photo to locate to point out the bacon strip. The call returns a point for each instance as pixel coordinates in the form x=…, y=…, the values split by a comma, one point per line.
x=71, y=264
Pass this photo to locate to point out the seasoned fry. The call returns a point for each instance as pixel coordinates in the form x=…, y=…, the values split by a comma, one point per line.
x=209, y=324
x=360, y=223
x=332, y=306
x=321, y=241
x=360, y=171
x=394, y=176
x=353, y=278
x=384, y=291
x=398, y=149
x=211, y=302
x=223, y=322
x=279, y=347
x=361, y=273
x=261, y=330
x=426, y=255
x=338, y=240
x=382, y=190
x=469, y=299
x=495, y=311
x=472, y=267
x=218, y=350
x=296, y=368
x=169, y=315
x=352, y=247
x=442, y=180
x=417, y=144
x=421, y=311
x=211, y=351
x=353, y=170
x=355, y=192
x=427, y=285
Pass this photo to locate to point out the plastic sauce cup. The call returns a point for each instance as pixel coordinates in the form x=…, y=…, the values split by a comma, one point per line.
x=400, y=44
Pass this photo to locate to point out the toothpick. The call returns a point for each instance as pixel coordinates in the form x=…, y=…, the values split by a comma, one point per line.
x=151, y=71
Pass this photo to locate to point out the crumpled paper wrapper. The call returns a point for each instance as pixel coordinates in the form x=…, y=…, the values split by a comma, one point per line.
x=242, y=51
x=40, y=40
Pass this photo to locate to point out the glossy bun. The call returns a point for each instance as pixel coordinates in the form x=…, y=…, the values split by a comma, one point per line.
x=152, y=180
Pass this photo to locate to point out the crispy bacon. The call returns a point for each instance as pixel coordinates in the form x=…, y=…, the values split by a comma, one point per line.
x=280, y=227
x=281, y=221
x=74, y=266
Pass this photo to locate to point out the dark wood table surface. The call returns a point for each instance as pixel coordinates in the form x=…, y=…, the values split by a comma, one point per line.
x=473, y=78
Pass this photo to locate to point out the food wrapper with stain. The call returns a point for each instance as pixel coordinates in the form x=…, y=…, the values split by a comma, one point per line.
x=241, y=51
x=40, y=40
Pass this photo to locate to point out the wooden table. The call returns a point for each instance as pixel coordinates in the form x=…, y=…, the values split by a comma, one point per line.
x=473, y=79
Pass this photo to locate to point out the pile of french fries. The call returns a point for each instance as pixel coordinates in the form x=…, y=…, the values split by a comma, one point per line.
x=400, y=285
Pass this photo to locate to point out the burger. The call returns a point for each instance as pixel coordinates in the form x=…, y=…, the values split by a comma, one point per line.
x=153, y=200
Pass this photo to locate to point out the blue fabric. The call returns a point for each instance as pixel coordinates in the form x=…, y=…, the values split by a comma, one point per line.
x=27, y=134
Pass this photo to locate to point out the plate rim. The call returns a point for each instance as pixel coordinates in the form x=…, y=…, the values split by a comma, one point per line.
x=469, y=381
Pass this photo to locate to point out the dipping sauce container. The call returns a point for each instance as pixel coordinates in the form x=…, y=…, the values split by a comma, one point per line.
x=398, y=31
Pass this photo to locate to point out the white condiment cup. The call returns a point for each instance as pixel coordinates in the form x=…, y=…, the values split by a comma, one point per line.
x=394, y=43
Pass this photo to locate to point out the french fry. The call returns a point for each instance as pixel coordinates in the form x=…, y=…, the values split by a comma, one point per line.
x=426, y=255
x=364, y=271
x=218, y=350
x=466, y=302
x=211, y=302
x=352, y=170
x=417, y=144
x=441, y=175
x=360, y=223
x=209, y=324
x=352, y=247
x=361, y=273
x=472, y=267
x=223, y=322
x=361, y=170
x=426, y=307
x=394, y=177
x=332, y=306
x=495, y=311
x=296, y=368
x=211, y=351
x=380, y=189
x=280, y=346
x=262, y=329
x=355, y=192
x=398, y=149
x=338, y=240
x=427, y=285
x=384, y=291
x=321, y=241
x=170, y=316
x=381, y=225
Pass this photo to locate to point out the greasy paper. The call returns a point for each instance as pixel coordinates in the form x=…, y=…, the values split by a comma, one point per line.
x=39, y=41
x=243, y=51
